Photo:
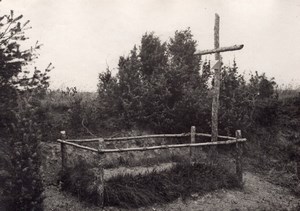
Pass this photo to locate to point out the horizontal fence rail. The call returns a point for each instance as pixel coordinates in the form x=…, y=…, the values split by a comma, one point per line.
x=152, y=147
x=86, y=140
x=172, y=146
x=77, y=145
x=147, y=136
x=132, y=137
x=209, y=135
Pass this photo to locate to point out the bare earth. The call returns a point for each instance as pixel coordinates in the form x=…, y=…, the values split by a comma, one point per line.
x=258, y=194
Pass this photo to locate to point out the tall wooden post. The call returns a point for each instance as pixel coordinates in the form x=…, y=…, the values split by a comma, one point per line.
x=238, y=159
x=192, y=149
x=217, y=78
x=100, y=174
x=63, y=151
x=216, y=88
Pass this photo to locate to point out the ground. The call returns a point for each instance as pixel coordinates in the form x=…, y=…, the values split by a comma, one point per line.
x=257, y=194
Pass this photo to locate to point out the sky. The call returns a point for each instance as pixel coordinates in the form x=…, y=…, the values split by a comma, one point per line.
x=82, y=37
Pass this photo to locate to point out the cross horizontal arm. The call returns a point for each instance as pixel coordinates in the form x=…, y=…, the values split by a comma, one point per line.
x=218, y=50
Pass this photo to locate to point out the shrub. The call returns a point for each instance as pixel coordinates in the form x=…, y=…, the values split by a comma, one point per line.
x=24, y=183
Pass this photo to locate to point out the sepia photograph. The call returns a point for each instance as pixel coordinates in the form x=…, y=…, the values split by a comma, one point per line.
x=149, y=105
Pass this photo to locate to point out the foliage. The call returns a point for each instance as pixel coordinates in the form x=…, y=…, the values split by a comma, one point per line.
x=188, y=89
x=108, y=101
x=162, y=87
x=69, y=110
x=153, y=55
x=246, y=105
x=21, y=119
x=11, y=62
x=129, y=83
x=24, y=185
x=154, y=84
x=266, y=99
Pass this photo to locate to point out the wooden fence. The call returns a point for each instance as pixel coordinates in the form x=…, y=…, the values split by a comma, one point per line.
x=237, y=140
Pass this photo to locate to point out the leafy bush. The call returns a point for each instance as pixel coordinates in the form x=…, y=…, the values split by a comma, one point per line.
x=24, y=184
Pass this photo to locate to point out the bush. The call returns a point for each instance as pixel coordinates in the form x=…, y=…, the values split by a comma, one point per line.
x=24, y=186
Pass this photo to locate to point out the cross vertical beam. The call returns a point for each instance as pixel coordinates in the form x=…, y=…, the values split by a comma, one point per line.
x=217, y=76
x=217, y=79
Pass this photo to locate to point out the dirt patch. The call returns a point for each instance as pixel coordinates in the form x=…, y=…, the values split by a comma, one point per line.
x=258, y=194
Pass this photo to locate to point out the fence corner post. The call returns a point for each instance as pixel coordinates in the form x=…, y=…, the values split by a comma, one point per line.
x=297, y=163
x=239, y=154
x=63, y=149
x=298, y=169
x=192, y=150
x=100, y=174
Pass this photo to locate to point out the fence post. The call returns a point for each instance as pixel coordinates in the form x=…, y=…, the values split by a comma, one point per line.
x=298, y=168
x=63, y=151
x=100, y=175
x=298, y=163
x=239, y=153
x=193, y=138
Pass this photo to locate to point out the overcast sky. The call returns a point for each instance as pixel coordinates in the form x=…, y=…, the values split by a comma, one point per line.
x=82, y=37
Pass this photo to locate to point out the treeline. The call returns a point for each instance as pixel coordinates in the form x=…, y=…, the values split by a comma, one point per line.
x=162, y=87
x=165, y=87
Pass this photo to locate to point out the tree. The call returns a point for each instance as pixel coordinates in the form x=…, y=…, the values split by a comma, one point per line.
x=234, y=110
x=108, y=100
x=154, y=92
x=184, y=64
x=129, y=85
x=182, y=50
x=265, y=99
x=245, y=104
x=20, y=116
x=189, y=90
x=24, y=185
x=11, y=61
x=153, y=55
x=160, y=86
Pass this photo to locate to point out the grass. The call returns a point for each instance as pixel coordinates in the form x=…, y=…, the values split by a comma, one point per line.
x=273, y=153
x=132, y=191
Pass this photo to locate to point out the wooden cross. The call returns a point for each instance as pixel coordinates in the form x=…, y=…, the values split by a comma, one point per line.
x=217, y=77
